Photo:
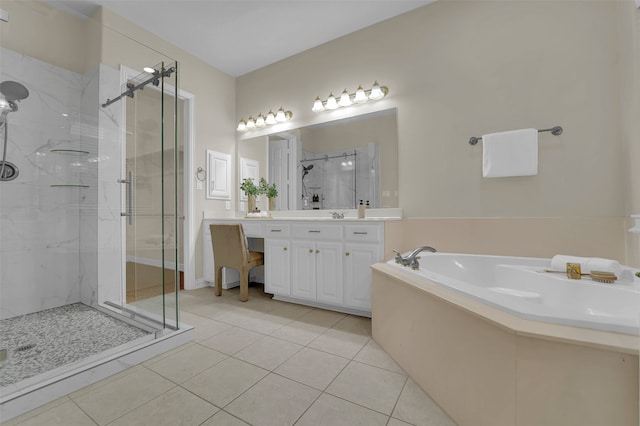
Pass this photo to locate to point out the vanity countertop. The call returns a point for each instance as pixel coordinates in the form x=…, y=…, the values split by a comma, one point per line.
x=372, y=215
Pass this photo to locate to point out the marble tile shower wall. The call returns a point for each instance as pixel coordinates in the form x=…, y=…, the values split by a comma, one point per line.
x=49, y=250
x=39, y=223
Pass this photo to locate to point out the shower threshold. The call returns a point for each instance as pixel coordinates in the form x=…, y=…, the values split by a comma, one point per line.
x=57, y=351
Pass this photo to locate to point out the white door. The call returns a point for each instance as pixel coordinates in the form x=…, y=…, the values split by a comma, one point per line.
x=279, y=171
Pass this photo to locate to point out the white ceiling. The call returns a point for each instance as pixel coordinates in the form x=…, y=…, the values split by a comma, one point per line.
x=239, y=36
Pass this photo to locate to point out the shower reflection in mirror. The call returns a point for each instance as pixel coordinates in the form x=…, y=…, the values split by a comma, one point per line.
x=339, y=179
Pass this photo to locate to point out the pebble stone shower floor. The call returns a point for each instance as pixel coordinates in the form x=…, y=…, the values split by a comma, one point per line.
x=49, y=339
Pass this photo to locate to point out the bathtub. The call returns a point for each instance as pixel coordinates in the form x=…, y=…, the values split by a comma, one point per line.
x=496, y=341
x=520, y=286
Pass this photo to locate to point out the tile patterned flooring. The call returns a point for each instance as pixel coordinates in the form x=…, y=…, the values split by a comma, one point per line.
x=262, y=362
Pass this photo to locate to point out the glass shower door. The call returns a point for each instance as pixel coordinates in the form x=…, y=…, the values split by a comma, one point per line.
x=150, y=183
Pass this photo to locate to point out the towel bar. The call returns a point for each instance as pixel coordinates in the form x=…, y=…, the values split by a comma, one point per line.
x=556, y=131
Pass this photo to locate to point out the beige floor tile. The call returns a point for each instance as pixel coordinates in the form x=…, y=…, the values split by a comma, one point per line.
x=340, y=343
x=313, y=368
x=35, y=412
x=262, y=322
x=167, y=353
x=322, y=318
x=224, y=419
x=273, y=401
x=368, y=386
x=232, y=340
x=396, y=422
x=108, y=402
x=299, y=332
x=355, y=324
x=224, y=381
x=416, y=407
x=176, y=407
x=64, y=414
x=331, y=411
x=183, y=365
x=204, y=327
x=211, y=311
x=288, y=310
x=373, y=354
x=268, y=353
x=106, y=381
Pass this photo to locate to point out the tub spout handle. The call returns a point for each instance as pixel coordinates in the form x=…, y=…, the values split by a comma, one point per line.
x=398, y=257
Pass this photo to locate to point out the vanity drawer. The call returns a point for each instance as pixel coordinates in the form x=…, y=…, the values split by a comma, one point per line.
x=364, y=233
x=276, y=231
x=252, y=229
x=317, y=232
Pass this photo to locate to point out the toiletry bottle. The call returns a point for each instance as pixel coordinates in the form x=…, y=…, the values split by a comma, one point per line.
x=361, y=210
x=368, y=205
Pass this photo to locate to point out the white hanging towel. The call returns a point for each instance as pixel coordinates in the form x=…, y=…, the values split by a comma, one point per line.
x=512, y=153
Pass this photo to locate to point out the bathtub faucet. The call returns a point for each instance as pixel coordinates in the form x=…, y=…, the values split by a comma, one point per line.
x=412, y=259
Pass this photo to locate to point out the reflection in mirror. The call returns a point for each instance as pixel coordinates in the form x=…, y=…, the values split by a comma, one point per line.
x=332, y=165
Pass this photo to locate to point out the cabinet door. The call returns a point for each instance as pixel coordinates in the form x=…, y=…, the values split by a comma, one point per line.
x=303, y=269
x=218, y=175
x=329, y=274
x=277, y=264
x=357, y=279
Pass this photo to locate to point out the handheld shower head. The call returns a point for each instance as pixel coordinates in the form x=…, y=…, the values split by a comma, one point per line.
x=12, y=92
x=5, y=108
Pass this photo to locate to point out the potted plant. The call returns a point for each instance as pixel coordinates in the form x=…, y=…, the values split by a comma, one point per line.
x=270, y=191
x=251, y=191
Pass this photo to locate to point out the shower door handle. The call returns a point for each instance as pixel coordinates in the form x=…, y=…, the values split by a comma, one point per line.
x=129, y=183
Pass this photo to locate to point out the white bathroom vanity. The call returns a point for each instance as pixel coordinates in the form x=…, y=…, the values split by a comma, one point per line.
x=314, y=261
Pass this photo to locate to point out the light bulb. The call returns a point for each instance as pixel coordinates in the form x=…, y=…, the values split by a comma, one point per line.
x=271, y=119
x=361, y=96
x=280, y=115
x=251, y=124
x=376, y=92
x=242, y=126
x=331, y=102
x=317, y=105
x=260, y=121
x=345, y=99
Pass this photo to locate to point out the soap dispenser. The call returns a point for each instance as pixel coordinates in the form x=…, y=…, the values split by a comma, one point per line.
x=361, y=210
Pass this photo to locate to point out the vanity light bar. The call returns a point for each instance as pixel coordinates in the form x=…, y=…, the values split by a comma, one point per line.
x=262, y=121
x=346, y=99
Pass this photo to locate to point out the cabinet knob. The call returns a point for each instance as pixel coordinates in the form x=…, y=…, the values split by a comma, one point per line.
x=285, y=249
x=310, y=250
x=346, y=254
x=317, y=251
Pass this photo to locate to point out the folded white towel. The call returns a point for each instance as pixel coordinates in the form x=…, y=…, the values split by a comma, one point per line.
x=559, y=262
x=587, y=264
x=512, y=153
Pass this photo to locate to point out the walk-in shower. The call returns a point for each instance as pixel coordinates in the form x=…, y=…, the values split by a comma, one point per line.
x=12, y=92
x=71, y=127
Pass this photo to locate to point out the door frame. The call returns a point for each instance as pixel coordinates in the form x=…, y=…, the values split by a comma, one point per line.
x=188, y=230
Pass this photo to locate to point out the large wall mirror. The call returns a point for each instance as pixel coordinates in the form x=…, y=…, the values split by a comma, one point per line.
x=333, y=165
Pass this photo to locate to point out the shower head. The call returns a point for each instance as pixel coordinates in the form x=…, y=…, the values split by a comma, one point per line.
x=13, y=91
x=305, y=170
